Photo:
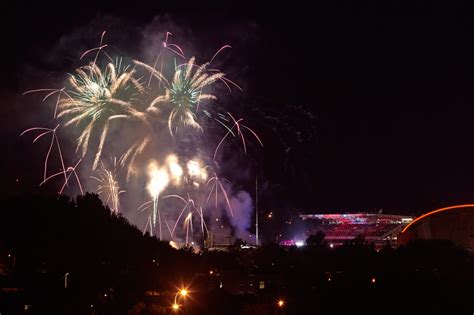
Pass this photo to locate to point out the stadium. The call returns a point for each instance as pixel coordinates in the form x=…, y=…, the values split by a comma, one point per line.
x=380, y=229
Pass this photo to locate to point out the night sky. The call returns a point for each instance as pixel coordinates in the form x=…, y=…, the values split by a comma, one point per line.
x=389, y=88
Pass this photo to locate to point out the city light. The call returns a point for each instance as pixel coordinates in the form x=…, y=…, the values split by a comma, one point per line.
x=281, y=303
x=183, y=293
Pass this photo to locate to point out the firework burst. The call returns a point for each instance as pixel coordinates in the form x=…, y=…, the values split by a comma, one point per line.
x=97, y=98
x=183, y=93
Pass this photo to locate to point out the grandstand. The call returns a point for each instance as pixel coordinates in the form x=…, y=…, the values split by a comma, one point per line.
x=338, y=228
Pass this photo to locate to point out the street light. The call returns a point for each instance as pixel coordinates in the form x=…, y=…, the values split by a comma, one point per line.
x=181, y=293
x=281, y=303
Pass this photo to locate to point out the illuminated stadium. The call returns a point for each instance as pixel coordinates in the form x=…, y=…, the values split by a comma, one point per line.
x=338, y=228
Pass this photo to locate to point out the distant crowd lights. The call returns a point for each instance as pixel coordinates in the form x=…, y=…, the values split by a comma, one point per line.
x=299, y=243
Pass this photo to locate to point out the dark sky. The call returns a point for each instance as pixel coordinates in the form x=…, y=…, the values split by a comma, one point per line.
x=390, y=85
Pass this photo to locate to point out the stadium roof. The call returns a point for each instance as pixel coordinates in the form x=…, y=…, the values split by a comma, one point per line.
x=357, y=217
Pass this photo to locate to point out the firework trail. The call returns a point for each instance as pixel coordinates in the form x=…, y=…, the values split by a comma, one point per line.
x=71, y=170
x=239, y=127
x=188, y=222
x=97, y=50
x=143, y=207
x=149, y=222
x=108, y=185
x=60, y=92
x=190, y=207
x=159, y=179
x=54, y=140
x=224, y=80
x=218, y=52
x=171, y=47
x=216, y=186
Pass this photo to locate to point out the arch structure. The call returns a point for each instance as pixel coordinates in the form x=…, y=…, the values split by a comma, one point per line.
x=454, y=223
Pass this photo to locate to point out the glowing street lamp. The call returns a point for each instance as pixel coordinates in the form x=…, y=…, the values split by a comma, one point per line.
x=181, y=293
x=281, y=303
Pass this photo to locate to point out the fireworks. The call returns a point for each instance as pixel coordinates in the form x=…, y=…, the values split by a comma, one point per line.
x=196, y=173
x=97, y=98
x=159, y=179
x=184, y=92
x=71, y=170
x=239, y=127
x=108, y=186
x=190, y=207
x=216, y=186
x=54, y=140
x=60, y=93
x=176, y=172
x=98, y=49
x=112, y=111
